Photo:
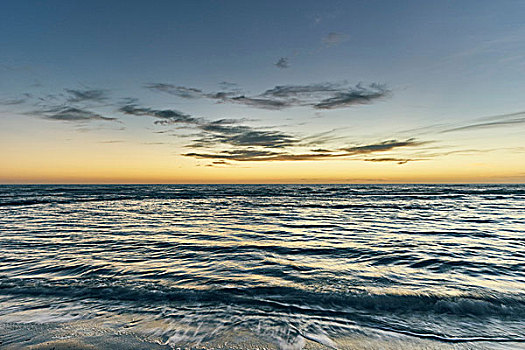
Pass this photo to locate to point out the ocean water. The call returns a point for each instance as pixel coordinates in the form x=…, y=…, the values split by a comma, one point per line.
x=262, y=266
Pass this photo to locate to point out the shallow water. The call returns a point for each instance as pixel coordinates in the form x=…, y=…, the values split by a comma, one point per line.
x=263, y=266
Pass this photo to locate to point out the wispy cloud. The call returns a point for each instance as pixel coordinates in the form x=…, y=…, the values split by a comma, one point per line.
x=256, y=155
x=265, y=103
x=511, y=119
x=228, y=140
x=318, y=96
x=211, y=133
x=267, y=156
x=93, y=95
x=67, y=107
x=322, y=138
x=70, y=114
x=391, y=159
x=241, y=135
x=238, y=155
x=354, y=96
x=180, y=91
x=304, y=91
x=166, y=116
x=382, y=146
x=70, y=106
x=232, y=140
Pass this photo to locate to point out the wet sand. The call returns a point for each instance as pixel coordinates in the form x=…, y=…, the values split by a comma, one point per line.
x=31, y=338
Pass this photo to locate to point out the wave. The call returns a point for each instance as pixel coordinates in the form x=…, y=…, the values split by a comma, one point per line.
x=284, y=312
x=277, y=297
x=25, y=195
x=333, y=256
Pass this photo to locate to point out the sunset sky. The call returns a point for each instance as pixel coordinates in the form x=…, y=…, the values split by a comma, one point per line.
x=262, y=91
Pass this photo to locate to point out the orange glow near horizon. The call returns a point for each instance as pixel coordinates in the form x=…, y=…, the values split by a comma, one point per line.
x=56, y=157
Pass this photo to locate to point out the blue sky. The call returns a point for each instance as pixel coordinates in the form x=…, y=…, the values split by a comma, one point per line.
x=439, y=65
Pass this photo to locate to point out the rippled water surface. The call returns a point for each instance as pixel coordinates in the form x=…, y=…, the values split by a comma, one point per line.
x=263, y=266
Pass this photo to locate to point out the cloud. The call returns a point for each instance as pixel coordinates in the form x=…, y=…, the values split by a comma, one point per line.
x=303, y=91
x=242, y=135
x=382, y=146
x=264, y=103
x=71, y=114
x=259, y=144
x=492, y=122
x=256, y=155
x=253, y=155
x=63, y=106
x=181, y=91
x=222, y=131
x=95, y=95
x=397, y=160
x=333, y=38
x=220, y=162
x=282, y=63
x=354, y=96
x=167, y=116
x=325, y=95
x=238, y=155
x=322, y=138
x=318, y=96
x=193, y=93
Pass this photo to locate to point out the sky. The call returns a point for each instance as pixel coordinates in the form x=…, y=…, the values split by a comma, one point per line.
x=262, y=91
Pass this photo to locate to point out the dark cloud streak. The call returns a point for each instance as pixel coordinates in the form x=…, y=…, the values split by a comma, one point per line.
x=263, y=103
x=492, y=122
x=318, y=96
x=167, y=116
x=250, y=154
x=95, y=95
x=354, y=96
x=71, y=114
x=388, y=159
x=241, y=135
x=382, y=146
x=180, y=91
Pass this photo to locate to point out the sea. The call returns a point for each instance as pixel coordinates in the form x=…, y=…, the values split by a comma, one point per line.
x=262, y=266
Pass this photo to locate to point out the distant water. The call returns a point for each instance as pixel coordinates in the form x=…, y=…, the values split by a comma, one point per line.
x=263, y=266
